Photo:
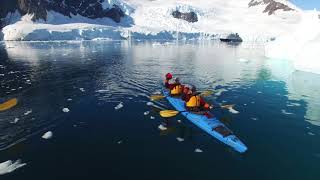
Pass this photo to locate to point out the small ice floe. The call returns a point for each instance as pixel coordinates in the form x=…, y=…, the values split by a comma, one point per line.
x=146, y=113
x=162, y=127
x=47, y=135
x=150, y=103
x=179, y=121
x=293, y=104
x=285, y=112
x=82, y=89
x=252, y=102
x=28, y=112
x=311, y=134
x=69, y=99
x=15, y=121
x=27, y=80
x=243, y=60
x=233, y=111
x=180, y=139
x=198, y=150
x=308, y=127
x=255, y=119
x=65, y=110
x=157, y=92
x=152, y=117
x=259, y=92
x=119, y=106
x=119, y=142
x=244, y=104
x=102, y=90
x=13, y=89
x=9, y=166
x=130, y=97
x=1, y=74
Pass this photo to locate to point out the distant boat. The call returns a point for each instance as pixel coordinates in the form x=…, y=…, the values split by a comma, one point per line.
x=232, y=38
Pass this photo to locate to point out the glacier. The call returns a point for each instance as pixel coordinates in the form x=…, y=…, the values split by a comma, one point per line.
x=301, y=46
x=153, y=20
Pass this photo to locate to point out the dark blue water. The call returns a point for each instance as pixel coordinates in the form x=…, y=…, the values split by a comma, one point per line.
x=278, y=117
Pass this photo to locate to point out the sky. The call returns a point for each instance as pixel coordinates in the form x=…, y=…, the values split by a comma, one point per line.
x=307, y=4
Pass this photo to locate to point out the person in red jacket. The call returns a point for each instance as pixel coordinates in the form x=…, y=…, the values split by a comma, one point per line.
x=175, y=88
x=194, y=102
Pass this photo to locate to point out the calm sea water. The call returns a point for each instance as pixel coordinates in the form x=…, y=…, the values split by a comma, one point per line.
x=278, y=117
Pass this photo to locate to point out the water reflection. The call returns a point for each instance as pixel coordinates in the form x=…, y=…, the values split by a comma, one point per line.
x=50, y=73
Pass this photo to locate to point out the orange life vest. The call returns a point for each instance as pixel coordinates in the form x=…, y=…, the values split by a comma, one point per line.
x=194, y=101
x=176, y=90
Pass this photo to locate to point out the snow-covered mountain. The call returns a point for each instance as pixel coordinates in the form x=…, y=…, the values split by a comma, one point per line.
x=254, y=20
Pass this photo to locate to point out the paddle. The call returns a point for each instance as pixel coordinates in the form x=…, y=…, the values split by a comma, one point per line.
x=158, y=97
x=171, y=113
x=8, y=104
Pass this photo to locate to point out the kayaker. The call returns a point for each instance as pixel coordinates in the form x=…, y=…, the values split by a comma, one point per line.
x=194, y=102
x=186, y=93
x=175, y=88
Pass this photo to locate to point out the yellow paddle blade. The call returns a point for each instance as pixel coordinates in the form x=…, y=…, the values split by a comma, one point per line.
x=207, y=93
x=8, y=104
x=156, y=97
x=168, y=113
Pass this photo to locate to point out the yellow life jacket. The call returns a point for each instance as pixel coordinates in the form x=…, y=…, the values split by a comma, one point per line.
x=176, y=90
x=194, y=101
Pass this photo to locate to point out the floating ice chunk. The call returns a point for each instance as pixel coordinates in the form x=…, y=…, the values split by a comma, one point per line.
x=233, y=111
x=180, y=139
x=82, y=89
x=119, y=106
x=102, y=90
x=28, y=112
x=119, y=142
x=311, y=134
x=243, y=60
x=65, y=110
x=47, y=135
x=9, y=166
x=198, y=150
x=179, y=121
x=285, y=112
x=152, y=117
x=69, y=99
x=259, y=92
x=162, y=128
x=15, y=120
x=255, y=119
x=157, y=92
x=1, y=74
x=244, y=104
x=150, y=103
x=146, y=113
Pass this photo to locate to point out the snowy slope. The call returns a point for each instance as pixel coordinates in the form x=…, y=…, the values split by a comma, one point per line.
x=153, y=20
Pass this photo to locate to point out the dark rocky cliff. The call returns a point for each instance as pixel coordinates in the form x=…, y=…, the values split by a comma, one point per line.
x=87, y=8
x=271, y=6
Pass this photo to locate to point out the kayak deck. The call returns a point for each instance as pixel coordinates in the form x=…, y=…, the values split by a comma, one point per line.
x=211, y=125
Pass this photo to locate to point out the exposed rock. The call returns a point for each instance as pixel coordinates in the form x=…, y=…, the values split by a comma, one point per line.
x=190, y=16
x=6, y=7
x=271, y=7
x=87, y=8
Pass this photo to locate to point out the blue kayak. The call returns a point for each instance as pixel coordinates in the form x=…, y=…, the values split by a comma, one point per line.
x=211, y=125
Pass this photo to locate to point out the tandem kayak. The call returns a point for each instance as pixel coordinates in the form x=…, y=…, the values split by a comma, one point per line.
x=210, y=125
